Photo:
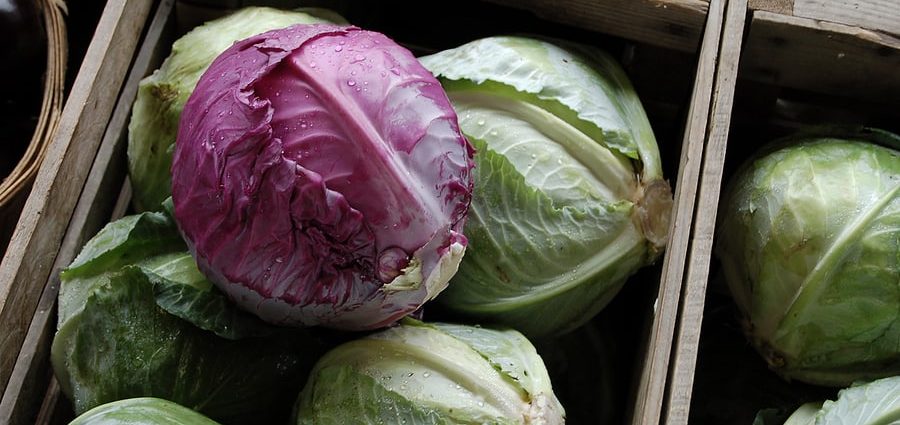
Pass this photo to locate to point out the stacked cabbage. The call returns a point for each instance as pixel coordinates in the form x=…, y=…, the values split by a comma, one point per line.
x=322, y=177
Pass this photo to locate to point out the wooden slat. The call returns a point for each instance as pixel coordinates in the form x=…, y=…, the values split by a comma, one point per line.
x=879, y=15
x=822, y=57
x=686, y=348
x=95, y=207
x=651, y=387
x=785, y=7
x=32, y=252
x=675, y=24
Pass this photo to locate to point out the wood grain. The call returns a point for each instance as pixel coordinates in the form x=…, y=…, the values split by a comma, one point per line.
x=96, y=206
x=881, y=15
x=785, y=7
x=822, y=57
x=691, y=316
x=877, y=15
x=650, y=395
x=675, y=24
x=29, y=260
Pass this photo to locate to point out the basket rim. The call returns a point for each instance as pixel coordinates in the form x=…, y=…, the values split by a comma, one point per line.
x=21, y=177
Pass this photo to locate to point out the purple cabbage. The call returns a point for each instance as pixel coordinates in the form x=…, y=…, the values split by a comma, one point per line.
x=320, y=178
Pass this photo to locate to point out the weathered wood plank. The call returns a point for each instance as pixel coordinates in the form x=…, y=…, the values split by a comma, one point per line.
x=880, y=15
x=785, y=7
x=28, y=261
x=30, y=375
x=686, y=348
x=675, y=24
x=877, y=15
x=822, y=57
x=650, y=395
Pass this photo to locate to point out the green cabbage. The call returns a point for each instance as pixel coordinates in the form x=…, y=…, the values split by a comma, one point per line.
x=142, y=411
x=809, y=242
x=137, y=319
x=569, y=196
x=418, y=373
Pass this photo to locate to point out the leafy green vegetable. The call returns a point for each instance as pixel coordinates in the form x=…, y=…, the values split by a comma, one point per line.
x=137, y=319
x=431, y=374
x=874, y=403
x=141, y=411
x=569, y=199
x=809, y=242
x=865, y=403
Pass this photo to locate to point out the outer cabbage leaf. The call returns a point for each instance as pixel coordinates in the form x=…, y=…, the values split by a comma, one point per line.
x=569, y=200
x=809, y=242
x=135, y=320
x=142, y=411
x=368, y=403
x=435, y=374
x=863, y=403
x=583, y=86
x=320, y=178
x=161, y=96
x=197, y=301
x=873, y=403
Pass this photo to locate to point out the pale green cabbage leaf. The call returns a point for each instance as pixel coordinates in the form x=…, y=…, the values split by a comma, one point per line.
x=431, y=374
x=569, y=199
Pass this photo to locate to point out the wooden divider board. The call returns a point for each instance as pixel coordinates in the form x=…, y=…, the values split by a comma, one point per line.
x=878, y=15
x=675, y=24
x=681, y=377
x=650, y=392
x=785, y=50
x=823, y=57
x=97, y=203
x=45, y=217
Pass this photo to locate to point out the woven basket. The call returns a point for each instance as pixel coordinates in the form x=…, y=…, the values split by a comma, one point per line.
x=15, y=187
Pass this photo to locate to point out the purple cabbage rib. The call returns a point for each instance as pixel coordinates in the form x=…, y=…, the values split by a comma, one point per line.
x=320, y=178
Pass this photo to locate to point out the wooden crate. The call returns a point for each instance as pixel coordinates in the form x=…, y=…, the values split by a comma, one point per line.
x=784, y=65
x=682, y=40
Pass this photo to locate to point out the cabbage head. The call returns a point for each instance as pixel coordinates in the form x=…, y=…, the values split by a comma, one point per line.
x=138, y=319
x=320, y=178
x=809, y=243
x=569, y=199
x=162, y=95
x=431, y=373
x=142, y=411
